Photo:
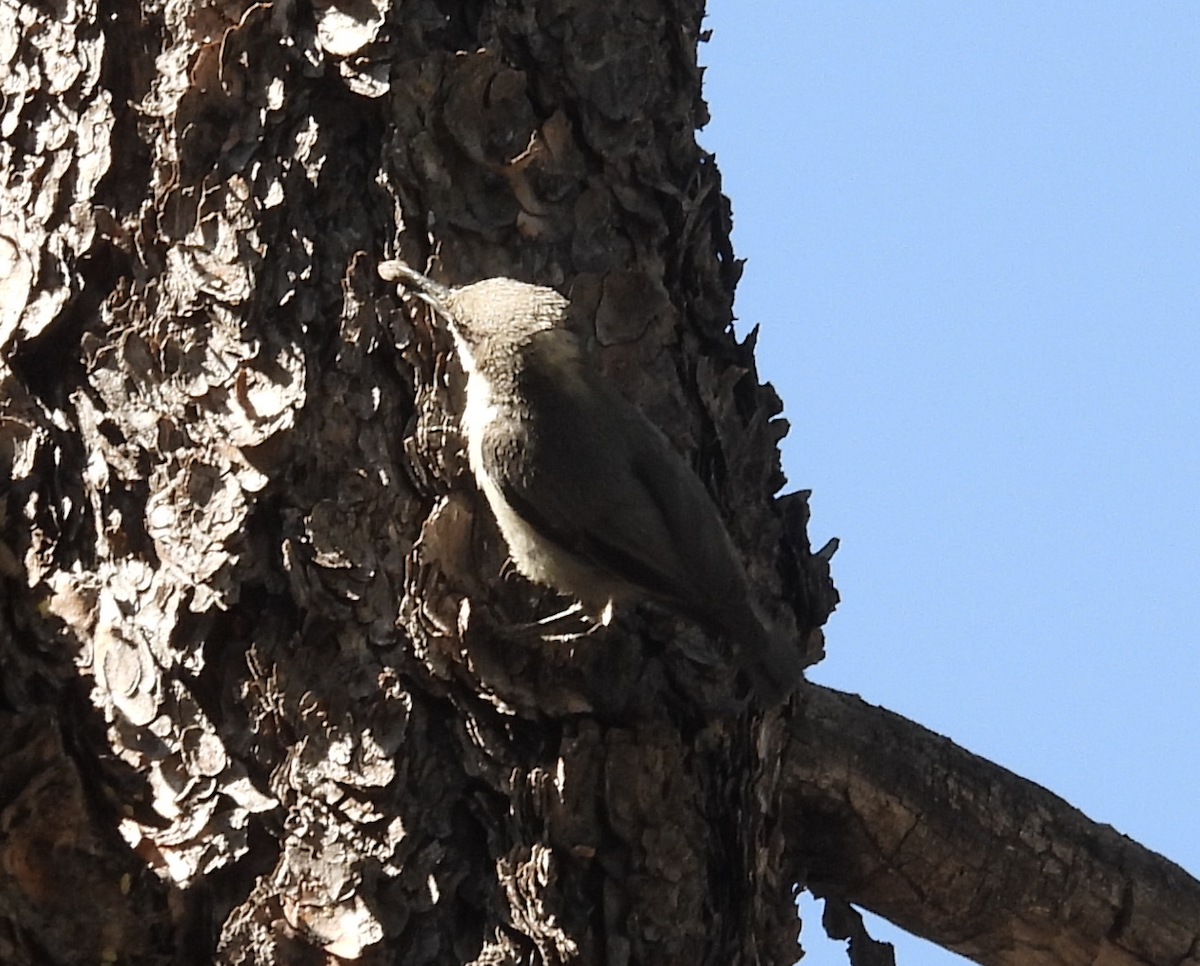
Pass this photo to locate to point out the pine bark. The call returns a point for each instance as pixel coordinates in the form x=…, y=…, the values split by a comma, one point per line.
x=269, y=694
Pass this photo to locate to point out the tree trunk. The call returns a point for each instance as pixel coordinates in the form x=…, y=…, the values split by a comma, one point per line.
x=269, y=693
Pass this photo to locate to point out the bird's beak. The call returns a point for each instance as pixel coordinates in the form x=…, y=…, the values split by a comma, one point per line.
x=435, y=293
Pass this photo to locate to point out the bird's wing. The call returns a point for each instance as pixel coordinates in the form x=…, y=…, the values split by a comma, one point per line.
x=603, y=484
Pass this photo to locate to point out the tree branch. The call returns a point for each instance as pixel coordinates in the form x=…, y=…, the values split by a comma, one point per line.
x=968, y=855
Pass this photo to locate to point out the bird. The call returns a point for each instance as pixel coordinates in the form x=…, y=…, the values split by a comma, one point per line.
x=590, y=496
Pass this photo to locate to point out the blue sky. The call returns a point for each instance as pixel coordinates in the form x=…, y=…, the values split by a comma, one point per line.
x=972, y=235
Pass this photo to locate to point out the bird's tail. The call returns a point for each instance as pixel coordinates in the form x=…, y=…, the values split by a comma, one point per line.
x=770, y=659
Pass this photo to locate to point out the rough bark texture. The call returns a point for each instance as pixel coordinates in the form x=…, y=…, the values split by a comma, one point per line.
x=241, y=553
x=968, y=855
x=267, y=696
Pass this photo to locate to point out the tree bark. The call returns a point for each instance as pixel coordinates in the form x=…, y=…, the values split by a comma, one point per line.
x=269, y=694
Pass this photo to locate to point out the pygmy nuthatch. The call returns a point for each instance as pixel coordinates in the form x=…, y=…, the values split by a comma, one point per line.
x=590, y=496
